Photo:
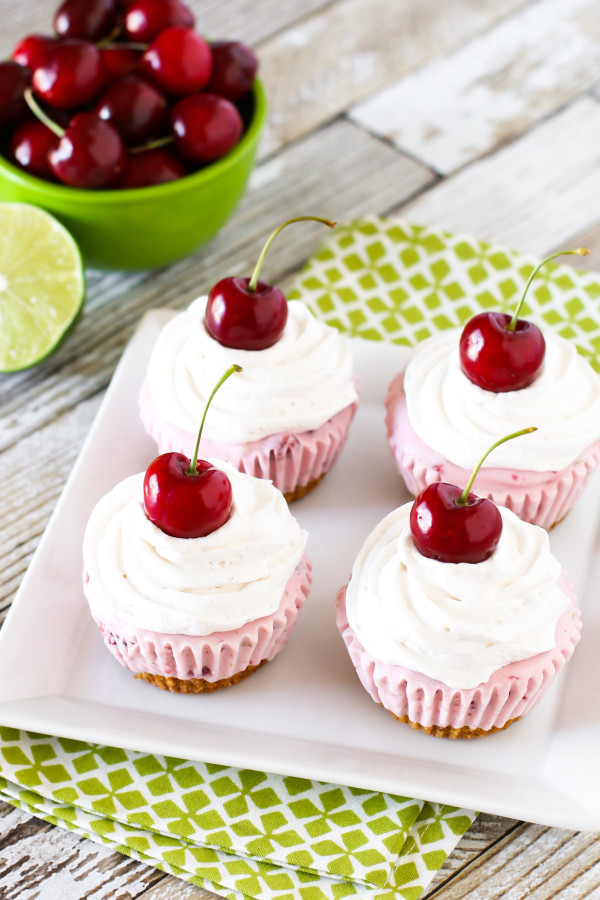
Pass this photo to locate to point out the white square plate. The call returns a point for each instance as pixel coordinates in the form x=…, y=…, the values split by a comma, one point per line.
x=305, y=713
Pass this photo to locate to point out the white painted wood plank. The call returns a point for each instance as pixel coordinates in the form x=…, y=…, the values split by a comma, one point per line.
x=346, y=52
x=530, y=195
x=491, y=89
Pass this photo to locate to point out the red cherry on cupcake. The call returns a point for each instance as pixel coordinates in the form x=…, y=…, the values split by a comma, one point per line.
x=178, y=61
x=457, y=526
x=248, y=314
x=205, y=127
x=31, y=50
x=188, y=498
x=145, y=19
x=70, y=75
x=503, y=353
x=234, y=68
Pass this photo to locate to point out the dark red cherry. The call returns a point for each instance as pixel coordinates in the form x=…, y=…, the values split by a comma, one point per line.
x=234, y=68
x=29, y=148
x=118, y=62
x=178, y=61
x=145, y=19
x=206, y=127
x=502, y=353
x=71, y=74
x=186, y=505
x=31, y=50
x=90, y=154
x=246, y=319
x=444, y=528
x=188, y=498
x=148, y=167
x=248, y=314
x=135, y=108
x=91, y=20
x=14, y=80
x=497, y=359
x=454, y=525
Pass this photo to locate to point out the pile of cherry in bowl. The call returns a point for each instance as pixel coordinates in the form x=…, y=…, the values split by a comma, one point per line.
x=125, y=94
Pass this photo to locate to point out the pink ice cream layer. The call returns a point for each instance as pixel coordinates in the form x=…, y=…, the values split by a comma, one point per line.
x=288, y=460
x=510, y=692
x=212, y=657
x=542, y=498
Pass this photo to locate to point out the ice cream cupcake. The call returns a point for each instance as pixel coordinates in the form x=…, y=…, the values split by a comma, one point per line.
x=195, y=614
x=462, y=388
x=457, y=650
x=287, y=417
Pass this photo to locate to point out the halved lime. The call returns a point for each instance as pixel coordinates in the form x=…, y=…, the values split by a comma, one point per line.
x=41, y=284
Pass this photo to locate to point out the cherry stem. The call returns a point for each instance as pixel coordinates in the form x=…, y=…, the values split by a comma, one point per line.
x=109, y=44
x=39, y=113
x=254, y=280
x=234, y=368
x=110, y=38
x=152, y=145
x=464, y=497
x=580, y=251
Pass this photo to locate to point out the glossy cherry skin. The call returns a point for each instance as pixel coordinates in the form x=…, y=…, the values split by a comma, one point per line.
x=135, y=108
x=243, y=319
x=443, y=529
x=182, y=505
x=90, y=154
x=234, y=68
x=13, y=81
x=156, y=166
x=206, y=127
x=31, y=50
x=145, y=19
x=71, y=75
x=91, y=20
x=29, y=148
x=118, y=62
x=178, y=61
x=499, y=360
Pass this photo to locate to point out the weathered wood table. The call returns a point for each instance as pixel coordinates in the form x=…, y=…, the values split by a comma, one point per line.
x=478, y=115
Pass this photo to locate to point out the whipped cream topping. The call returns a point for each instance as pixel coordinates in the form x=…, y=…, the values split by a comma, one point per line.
x=192, y=585
x=296, y=385
x=460, y=420
x=455, y=622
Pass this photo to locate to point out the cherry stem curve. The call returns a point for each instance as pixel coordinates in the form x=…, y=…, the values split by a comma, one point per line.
x=463, y=499
x=580, y=251
x=234, y=368
x=39, y=113
x=254, y=279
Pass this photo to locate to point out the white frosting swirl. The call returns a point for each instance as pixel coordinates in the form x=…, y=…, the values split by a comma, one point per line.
x=455, y=622
x=296, y=385
x=460, y=420
x=192, y=585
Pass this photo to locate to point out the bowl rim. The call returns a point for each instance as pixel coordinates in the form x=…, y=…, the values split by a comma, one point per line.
x=114, y=195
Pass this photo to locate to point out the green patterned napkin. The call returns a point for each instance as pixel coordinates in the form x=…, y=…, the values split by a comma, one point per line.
x=250, y=834
x=238, y=832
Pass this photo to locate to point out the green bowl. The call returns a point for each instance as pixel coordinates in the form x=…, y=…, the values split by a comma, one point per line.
x=145, y=227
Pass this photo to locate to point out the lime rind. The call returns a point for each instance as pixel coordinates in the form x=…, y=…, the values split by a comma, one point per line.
x=42, y=285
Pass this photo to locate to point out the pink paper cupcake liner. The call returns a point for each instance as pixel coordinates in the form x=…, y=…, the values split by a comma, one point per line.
x=510, y=692
x=290, y=461
x=542, y=498
x=212, y=657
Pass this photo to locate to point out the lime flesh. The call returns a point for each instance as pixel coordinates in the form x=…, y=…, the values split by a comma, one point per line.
x=41, y=284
